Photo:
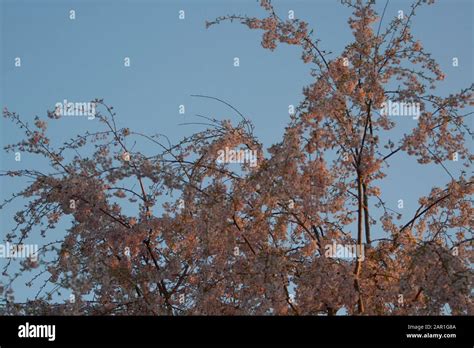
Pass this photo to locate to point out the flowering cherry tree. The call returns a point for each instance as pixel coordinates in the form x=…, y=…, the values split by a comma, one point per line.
x=176, y=232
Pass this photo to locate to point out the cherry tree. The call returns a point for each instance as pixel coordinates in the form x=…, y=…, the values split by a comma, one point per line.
x=176, y=232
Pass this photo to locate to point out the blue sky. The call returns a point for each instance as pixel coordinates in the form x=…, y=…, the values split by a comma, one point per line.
x=171, y=59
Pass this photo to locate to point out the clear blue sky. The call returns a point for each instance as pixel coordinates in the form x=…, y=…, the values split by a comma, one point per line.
x=171, y=59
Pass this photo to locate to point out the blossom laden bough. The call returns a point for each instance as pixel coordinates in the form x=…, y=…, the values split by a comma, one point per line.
x=211, y=238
